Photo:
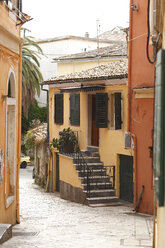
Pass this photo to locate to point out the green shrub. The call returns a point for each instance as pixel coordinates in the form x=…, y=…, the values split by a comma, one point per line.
x=29, y=140
x=34, y=113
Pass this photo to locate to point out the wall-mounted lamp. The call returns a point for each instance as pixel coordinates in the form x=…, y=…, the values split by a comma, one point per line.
x=135, y=7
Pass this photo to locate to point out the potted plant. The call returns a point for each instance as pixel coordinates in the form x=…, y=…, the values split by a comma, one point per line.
x=67, y=143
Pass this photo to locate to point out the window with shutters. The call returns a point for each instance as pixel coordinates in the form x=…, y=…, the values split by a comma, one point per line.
x=115, y=111
x=75, y=109
x=58, y=108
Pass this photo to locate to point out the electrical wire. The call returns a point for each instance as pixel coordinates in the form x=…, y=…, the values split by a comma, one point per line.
x=137, y=37
x=148, y=36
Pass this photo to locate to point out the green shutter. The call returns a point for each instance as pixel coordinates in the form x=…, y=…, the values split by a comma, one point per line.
x=75, y=109
x=159, y=128
x=118, y=120
x=58, y=113
x=102, y=110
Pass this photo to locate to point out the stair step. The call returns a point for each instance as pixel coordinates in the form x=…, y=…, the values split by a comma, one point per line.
x=92, y=148
x=100, y=193
x=100, y=190
x=87, y=160
x=91, y=154
x=97, y=186
x=102, y=200
x=92, y=167
x=92, y=164
x=110, y=204
x=95, y=154
x=98, y=172
x=95, y=177
x=94, y=170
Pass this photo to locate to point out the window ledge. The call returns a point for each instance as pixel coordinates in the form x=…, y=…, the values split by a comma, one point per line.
x=144, y=92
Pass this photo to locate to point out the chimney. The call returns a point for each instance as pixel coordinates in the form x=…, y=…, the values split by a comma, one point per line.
x=86, y=35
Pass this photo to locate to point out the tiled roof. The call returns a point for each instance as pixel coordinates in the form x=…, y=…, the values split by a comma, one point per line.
x=73, y=37
x=118, y=69
x=116, y=34
x=103, y=52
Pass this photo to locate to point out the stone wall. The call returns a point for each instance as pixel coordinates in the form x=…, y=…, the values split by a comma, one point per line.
x=41, y=164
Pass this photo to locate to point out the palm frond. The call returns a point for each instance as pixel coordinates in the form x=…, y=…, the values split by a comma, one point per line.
x=31, y=75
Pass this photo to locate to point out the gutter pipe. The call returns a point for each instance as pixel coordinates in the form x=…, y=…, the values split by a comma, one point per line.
x=19, y=132
x=129, y=103
x=47, y=91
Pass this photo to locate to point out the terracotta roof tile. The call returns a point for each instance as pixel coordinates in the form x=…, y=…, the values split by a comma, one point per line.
x=117, y=69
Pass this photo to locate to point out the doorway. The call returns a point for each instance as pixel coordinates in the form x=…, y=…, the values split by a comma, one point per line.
x=126, y=178
x=93, y=131
x=10, y=171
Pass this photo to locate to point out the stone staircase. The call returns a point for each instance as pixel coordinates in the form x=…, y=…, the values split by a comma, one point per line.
x=96, y=183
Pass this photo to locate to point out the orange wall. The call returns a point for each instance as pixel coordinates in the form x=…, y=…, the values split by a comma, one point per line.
x=10, y=45
x=141, y=74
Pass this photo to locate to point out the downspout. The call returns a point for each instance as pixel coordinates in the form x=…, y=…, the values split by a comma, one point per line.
x=47, y=91
x=19, y=131
x=51, y=156
x=129, y=103
x=129, y=68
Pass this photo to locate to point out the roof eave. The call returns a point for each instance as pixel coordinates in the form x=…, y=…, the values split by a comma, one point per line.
x=51, y=82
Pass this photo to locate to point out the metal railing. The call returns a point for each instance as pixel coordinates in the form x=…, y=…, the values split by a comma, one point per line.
x=88, y=172
x=81, y=164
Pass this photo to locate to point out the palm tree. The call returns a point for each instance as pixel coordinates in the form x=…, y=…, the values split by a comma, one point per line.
x=31, y=75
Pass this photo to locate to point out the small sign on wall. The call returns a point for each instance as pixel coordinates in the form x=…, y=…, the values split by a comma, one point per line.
x=1, y=164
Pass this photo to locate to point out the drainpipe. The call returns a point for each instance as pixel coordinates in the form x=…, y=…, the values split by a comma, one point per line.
x=51, y=155
x=135, y=166
x=47, y=91
x=129, y=68
x=19, y=131
x=129, y=102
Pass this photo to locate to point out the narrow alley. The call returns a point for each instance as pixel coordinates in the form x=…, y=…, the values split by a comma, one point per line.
x=49, y=221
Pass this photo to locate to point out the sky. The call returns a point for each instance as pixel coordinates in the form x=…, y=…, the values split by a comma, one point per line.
x=53, y=18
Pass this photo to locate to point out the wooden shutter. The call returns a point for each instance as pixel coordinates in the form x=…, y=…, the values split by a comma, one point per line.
x=101, y=110
x=58, y=108
x=118, y=120
x=75, y=109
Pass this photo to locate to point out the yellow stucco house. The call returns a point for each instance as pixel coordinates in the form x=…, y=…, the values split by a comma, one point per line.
x=93, y=103
x=10, y=109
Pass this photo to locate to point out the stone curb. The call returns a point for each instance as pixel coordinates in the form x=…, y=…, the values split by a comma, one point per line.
x=5, y=232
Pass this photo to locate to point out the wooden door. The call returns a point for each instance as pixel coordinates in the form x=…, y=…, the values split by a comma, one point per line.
x=126, y=178
x=57, y=173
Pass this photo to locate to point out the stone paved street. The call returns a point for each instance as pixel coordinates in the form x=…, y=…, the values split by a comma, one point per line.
x=48, y=221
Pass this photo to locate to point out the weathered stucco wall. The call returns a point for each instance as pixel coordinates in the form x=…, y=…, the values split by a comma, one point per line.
x=41, y=164
x=82, y=129
x=68, y=173
x=10, y=61
x=141, y=74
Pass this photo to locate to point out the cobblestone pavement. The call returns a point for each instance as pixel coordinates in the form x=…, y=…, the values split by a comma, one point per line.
x=50, y=222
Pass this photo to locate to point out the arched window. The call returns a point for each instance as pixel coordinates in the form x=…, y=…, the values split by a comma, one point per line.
x=10, y=171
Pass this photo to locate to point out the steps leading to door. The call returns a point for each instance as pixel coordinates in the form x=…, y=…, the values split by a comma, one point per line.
x=101, y=191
